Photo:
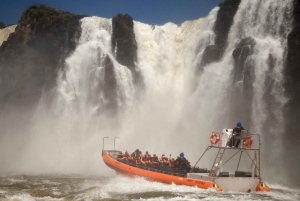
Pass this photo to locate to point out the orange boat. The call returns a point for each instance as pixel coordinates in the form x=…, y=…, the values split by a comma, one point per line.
x=152, y=174
x=215, y=178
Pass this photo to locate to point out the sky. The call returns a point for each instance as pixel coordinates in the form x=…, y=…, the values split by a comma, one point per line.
x=147, y=11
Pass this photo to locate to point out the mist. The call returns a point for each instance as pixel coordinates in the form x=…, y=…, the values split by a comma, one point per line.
x=181, y=104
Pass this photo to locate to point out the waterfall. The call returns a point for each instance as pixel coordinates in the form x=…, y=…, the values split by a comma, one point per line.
x=246, y=85
x=267, y=23
x=182, y=101
x=168, y=57
x=4, y=33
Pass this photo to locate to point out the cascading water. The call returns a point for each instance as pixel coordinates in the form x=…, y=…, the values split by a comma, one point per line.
x=74, y=126
x=4, y=33
x=268, y=24
x=246, y=85
x=172, y=114
x=167, y=58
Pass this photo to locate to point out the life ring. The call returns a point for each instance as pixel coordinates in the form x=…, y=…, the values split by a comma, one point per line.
x=248, y=141
x=212, y=138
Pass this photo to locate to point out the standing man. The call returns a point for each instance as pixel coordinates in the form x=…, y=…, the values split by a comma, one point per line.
x=236, y=134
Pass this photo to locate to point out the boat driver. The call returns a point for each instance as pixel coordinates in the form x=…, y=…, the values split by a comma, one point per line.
x=236, y=133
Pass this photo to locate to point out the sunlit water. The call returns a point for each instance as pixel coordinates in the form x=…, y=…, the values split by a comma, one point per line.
x=73, y=187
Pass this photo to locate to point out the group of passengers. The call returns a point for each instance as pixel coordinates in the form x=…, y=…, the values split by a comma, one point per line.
x=137, y=157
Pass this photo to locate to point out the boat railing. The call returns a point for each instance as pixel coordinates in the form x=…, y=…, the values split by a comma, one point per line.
x=158, y=168
x=224, y=141
x=222, y=146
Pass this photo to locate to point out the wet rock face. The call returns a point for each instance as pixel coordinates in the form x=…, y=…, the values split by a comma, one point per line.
x=243, y=77
x=240, y=54
x=31, y=56
x=124, y=44
x=211, y=54
x=224, y=21
x=292, y=90
x=110, y=91
x=123, y=40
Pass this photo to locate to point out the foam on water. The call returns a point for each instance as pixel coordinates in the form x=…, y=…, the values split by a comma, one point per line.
x=121, y=186
x=177, y=111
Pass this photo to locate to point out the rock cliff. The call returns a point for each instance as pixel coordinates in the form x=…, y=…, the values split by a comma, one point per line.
x=227, y=11
x=29, y=59
x=292, y=89
x=124, y=44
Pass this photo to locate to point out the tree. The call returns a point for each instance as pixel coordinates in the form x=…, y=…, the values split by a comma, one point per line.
x=2, y=25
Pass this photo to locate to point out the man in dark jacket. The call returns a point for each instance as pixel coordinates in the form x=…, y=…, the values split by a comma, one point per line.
x=236, y=133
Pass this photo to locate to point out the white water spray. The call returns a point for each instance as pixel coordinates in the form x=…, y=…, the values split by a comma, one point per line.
x=170, y=116
x=4, y=33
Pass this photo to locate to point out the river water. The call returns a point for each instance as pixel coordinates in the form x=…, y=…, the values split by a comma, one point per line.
x=75, y=187
x=177, y=110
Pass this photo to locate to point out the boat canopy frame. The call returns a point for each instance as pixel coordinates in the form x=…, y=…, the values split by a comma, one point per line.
x=254, y=161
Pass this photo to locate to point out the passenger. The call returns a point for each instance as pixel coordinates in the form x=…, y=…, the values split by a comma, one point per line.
x=236, y=133
x=136, y=152
x=181, y=161
x=147, y=159
x=125, y=156
x=155, y=160
x=143, y=159
x=172, y=163
x=167, y=160
x=126, y=153
x=162, y=159
x=131, y=158
x=120, y=155
x=138, y=158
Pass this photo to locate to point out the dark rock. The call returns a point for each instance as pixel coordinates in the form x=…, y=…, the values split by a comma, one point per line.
x=292, y=91
x=124, y=44
x=240, y=54
x=241, y=94
x=2, y=25
x=110, y=91
x=224, y=21
x=31, y=56
x=211, y=54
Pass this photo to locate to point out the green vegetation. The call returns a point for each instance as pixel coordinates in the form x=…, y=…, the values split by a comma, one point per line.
x=2, y=25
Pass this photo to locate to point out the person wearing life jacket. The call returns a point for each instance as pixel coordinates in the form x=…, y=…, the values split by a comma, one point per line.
x=236, y=133
x=131, y=158
x=162, y=159
x=166, y=160
x=172, y=163
x=144, y=159
x=120, y=155
x=136, y=152
x=138, y=158
x=154, y=160
x=125, y=156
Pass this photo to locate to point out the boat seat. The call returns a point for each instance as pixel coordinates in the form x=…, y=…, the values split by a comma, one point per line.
x=242, y=174
x=224, y=174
